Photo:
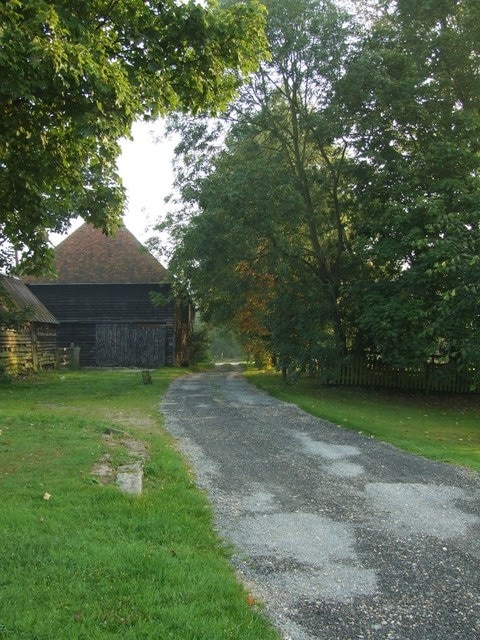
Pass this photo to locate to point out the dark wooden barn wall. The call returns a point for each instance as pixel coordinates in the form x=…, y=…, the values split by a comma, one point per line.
x=113, y=324
x=105, y=302
x=81, y=335
x=119, y=345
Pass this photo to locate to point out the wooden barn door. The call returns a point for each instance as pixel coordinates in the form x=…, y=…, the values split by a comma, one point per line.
x=130, y=345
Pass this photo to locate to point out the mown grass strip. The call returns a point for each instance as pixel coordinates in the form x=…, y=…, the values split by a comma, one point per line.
x=82, y=560
x=445, y=428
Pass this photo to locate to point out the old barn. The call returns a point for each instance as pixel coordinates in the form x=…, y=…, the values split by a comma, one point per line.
x=32, y=345
x=103, y=299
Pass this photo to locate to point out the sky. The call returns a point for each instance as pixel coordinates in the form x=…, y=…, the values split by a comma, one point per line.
x=145, y=166
x=146, y=170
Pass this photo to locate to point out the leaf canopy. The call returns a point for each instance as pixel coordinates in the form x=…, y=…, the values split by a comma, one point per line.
x=76, y=75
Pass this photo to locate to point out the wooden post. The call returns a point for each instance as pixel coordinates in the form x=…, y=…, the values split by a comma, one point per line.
x=74, y=357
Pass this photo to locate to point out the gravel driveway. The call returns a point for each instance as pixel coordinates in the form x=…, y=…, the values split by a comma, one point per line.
x=341, y=536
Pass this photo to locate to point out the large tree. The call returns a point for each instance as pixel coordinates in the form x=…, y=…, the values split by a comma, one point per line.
x=348, y=189
x=75, y=75
x=414, y=98
x=272, y=210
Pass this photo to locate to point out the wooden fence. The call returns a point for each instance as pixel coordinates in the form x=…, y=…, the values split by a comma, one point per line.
x=431, y=378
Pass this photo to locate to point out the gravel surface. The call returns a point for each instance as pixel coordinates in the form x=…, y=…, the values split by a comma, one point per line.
x=341, y=536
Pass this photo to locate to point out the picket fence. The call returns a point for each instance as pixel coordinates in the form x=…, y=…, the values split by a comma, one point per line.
x=432, y=378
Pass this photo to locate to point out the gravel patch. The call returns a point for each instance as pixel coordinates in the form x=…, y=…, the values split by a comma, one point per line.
x=422, y=509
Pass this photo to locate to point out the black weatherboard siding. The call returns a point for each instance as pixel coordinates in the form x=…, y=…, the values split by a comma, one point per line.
x=113, y=324
x=105, y=302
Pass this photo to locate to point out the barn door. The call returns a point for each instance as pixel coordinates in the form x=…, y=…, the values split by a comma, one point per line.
x=130, y=345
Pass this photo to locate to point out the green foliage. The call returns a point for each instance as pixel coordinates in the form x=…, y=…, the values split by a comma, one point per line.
x=11, y=315
x=225, y=345
x=200, y=345
x=268, y=209
x=4, y=376
x=75, y=76
x=12, y=318
x=336, y=212
x=413, y=94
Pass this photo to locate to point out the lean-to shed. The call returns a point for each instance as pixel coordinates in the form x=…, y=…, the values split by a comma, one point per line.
x=32, y=345
x=102, y=297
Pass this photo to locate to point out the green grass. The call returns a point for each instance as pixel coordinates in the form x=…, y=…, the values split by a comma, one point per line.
x=445, y=428
x=90, y=562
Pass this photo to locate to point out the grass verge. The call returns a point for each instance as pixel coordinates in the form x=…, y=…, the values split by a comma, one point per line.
x=445, y=428
x=83, y=561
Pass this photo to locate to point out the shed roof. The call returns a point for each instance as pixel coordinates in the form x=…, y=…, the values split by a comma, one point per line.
x=87, y=256
x=19, y=298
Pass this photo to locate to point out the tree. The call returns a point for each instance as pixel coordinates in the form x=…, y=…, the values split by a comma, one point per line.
x=413, y=95
x=270, y=211
x=74, y=78
x=342, y=212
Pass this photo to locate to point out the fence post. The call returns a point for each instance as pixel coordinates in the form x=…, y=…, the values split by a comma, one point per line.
x=75, y=357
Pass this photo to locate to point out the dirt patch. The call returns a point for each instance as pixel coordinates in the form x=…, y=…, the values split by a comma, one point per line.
x=103, y=470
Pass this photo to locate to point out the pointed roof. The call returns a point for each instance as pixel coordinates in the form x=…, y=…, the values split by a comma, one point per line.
x=87, y=256
x=18, y=297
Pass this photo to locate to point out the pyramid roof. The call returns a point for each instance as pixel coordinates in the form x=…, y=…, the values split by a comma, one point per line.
x=87, y=256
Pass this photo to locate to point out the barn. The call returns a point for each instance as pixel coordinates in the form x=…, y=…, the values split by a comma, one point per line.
x=103, y=297
x=32, y=345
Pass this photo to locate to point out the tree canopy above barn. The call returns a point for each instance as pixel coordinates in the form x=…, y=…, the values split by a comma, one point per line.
x=88, y=256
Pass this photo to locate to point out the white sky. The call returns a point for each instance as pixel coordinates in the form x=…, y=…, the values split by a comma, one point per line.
x=146, y=170
x=145, y=166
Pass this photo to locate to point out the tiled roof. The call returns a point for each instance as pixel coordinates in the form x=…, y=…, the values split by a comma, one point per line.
x=19, y=297
x=88, y=256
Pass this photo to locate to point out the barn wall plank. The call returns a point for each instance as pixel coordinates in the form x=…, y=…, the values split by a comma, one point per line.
x=81, y=335
x=27, y=349
x=106, y=302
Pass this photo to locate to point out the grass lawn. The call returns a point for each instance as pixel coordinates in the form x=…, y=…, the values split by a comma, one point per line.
x=445, y=428
x=82, y=561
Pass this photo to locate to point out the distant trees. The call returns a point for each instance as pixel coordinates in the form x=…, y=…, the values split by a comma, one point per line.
x=338, y=213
